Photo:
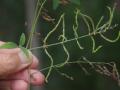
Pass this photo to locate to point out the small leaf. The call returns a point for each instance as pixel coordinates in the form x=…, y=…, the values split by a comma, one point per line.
x=22, y=40
x=25, y=51
x=8, y=45
x=55, y=4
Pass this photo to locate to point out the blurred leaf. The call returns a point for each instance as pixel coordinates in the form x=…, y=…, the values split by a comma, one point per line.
x=55, y=4
x=22, y=40
x=8, y=45
x=77, y=2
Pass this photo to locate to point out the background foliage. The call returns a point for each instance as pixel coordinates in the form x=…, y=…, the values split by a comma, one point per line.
x=12, y=24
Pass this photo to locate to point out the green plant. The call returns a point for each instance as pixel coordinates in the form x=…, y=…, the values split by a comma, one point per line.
x=93, y=30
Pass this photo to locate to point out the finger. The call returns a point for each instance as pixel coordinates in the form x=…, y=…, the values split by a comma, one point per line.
x=19, y=85
x=13, y=85
x=35, y=63
x=4, y=85
x=13, y=61
x=9, y=51
x=36, y=77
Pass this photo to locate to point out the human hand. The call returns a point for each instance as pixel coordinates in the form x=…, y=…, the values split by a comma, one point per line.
x=14, y=70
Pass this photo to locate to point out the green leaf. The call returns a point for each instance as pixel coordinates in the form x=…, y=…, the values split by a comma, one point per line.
x=55, y=4
x=77, y=2
x=25, y=51
x=8, y=45
x=22, y=40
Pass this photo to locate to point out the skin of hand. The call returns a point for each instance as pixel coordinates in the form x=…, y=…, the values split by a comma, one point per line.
x=14, y=70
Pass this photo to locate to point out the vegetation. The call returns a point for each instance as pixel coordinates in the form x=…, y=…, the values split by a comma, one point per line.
x=94, y=31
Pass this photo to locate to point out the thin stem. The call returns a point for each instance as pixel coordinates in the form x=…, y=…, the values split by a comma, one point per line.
x=75, y=28
x=64, y=38
x=56, y=26
x=73, y=39
x=51, y=65
x=34, y=25
x=74, y=62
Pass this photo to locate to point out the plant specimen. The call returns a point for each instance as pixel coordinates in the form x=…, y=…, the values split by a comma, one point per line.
x=94, y=30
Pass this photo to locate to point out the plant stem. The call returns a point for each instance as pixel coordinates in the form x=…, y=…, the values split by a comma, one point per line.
x=73, y=39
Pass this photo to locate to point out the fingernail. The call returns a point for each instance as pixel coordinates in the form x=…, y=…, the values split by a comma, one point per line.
x=24, y=58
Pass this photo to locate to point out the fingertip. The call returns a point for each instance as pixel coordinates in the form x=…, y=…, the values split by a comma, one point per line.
x=24, y=60
x=37, y=78
x=35, y=63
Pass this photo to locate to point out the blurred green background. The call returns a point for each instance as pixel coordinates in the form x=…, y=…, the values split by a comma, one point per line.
x=13, y=22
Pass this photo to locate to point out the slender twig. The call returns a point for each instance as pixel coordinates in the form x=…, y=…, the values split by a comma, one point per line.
x=69, y=40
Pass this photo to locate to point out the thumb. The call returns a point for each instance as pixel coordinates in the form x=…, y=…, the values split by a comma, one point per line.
x=13, y=60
